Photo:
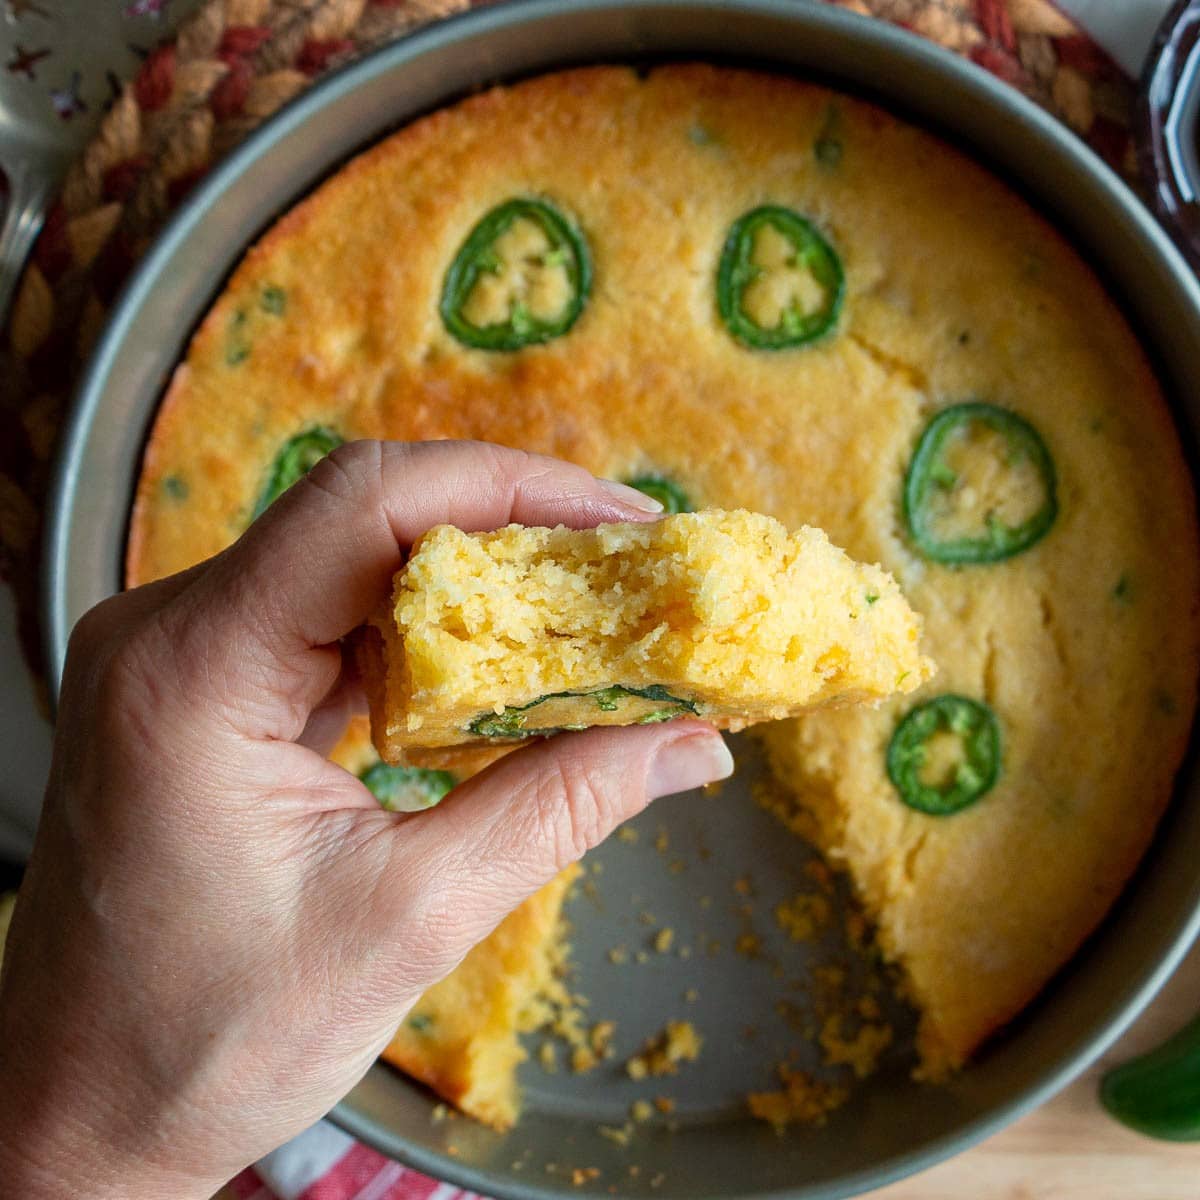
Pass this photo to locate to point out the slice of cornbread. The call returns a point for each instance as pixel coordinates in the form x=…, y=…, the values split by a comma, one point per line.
x=496, y=637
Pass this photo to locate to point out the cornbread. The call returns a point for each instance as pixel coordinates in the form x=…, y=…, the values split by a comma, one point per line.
x=1047, y=538
x=495, y=637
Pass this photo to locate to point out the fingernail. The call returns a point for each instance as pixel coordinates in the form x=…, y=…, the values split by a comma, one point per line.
x=688, y=762
x=630, y=497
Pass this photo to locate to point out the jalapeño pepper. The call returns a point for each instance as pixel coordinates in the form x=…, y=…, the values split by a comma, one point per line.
x=298, y=456
x=1159, y=1093
x=521, y=277
x=669, y=494
x=406, y=789
x=975, y=727
x=513, y=722
x=780, y=283
x=935, y=494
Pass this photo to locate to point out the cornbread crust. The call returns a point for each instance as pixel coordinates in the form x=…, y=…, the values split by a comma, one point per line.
x=1085, y=646
x=722, y=615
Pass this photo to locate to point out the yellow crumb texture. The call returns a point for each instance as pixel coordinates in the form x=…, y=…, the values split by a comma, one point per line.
x=802, y=1100
x=677, y=1043
x=725, y=615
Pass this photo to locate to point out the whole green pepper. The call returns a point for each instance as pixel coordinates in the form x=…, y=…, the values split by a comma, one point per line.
x=929, y=477
x=477, y=256
x=738, y=270
x=298, y=456
x=975, y=725
x=1159, y=1093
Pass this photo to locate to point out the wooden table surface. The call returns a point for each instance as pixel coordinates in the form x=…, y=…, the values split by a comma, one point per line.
x=1069, y=1149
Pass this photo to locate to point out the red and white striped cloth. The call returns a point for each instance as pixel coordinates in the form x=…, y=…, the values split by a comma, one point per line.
x=324, y=1163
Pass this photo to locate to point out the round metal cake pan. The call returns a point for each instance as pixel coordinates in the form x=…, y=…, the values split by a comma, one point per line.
x=892, y=1126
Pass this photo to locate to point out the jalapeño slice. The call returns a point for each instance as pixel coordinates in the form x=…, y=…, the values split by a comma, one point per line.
x=521, y=277
x=981, y=486
x=780, y=283
x=650, y=704
x=668, y=493
x=406, y=789
x=298, y=456
x=964, y=776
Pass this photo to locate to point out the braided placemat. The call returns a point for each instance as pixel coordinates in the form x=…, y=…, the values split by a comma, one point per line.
x=234, y=63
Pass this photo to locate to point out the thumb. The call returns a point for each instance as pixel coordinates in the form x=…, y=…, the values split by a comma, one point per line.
x=508, y=831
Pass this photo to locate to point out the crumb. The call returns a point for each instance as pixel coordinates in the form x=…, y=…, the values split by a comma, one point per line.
x=547, y=1058
x=628, y=834
x=647, y=918
x=582, y=1175
x=743, y=886
x=617, y=1134
x=634, y=1170
x=679, y=1042
x=583, y=1060
x=860, y=1052
x=713, y=948
x=597, y=868
x=664, y=1104
x=691, y=996
x=439, y=1114
x=748, y=945
x=618, y=955
x=830, y=976
x=452, y=1151
x=641, y=1110
x=706, y=902
x=677, y=866
x=661, y=841
x=656, y=1181
x=663, y=940
x=642, y=956
x=588, y=888
x=685, y=952
x=601, y=1036
x=802, y=1100
x=804, y=916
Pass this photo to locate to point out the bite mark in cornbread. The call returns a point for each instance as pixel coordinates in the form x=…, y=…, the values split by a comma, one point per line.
x=497, y=637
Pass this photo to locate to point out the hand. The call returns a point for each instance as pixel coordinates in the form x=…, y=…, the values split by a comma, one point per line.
x=219, y=929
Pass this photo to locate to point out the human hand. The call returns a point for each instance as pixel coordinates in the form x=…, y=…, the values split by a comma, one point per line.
x=219, y=929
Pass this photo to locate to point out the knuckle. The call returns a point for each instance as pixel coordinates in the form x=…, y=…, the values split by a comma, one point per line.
x=573, y=807
x=348, y=470
x=96, y=627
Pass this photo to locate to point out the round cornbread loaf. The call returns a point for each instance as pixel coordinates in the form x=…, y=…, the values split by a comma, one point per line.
x=1084, y=645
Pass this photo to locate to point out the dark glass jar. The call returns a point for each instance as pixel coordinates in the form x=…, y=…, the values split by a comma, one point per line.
x=1169, y=126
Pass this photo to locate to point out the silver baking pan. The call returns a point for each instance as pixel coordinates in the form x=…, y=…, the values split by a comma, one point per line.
x=708, y=1148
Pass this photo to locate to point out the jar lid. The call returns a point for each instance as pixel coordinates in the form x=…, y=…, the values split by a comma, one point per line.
x=1169, y=126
